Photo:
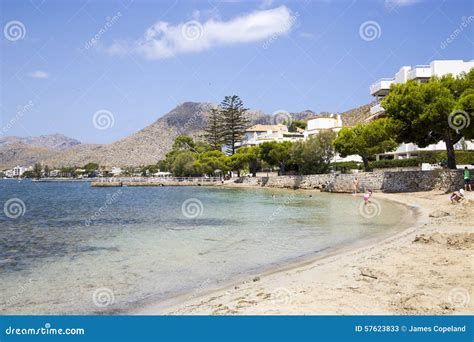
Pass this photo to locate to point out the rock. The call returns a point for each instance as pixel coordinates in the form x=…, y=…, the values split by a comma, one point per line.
x=367, y=272
x=438, y=213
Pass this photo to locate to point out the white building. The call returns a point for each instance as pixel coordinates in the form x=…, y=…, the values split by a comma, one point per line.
x=263, y=133
x=420, y=73
x=116, y=171
x=18, y=171
x=323, y=123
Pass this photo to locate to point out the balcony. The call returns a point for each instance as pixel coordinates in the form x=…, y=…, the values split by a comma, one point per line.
x=381, y=87
x=419, y=72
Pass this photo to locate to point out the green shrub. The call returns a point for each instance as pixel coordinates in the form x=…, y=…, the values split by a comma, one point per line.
x=435, y=157
x=389, y=163
x=345, y=166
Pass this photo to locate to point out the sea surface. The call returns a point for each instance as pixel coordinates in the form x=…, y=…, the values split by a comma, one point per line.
x=68, y=248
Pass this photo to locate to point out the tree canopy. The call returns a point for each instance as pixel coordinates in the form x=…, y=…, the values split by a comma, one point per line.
x=367, y=140
x=438, y=110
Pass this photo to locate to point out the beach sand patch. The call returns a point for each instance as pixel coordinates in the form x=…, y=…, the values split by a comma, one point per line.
x=456, y=240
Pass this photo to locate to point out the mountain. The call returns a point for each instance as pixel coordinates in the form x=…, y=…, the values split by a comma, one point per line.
x=19, y=153
x=53, y=141
x=146, y=146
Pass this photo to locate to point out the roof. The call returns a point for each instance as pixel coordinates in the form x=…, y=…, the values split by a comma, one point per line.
x=264, y=128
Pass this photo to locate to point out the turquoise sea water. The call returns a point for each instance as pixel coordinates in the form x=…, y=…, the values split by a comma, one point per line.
x=67, y=248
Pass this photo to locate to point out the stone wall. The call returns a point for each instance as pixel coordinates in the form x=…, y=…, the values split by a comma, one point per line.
x=379, y=180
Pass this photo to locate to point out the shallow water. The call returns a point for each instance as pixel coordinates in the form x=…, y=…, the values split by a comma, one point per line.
x=79, y=250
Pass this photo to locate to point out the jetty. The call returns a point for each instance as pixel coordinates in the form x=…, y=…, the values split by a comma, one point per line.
x=155, y=181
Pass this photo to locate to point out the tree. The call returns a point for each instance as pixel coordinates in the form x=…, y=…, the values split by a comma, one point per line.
x=183, y=143
x=210, y=162
x=234, y=122
x=276, y=154
x=246, y=157
x=91, y=167
x=37, y=171
x=314, y=155
x=182, y=165
x=367, y=140
x=46, y=170
x=213, y=131
x=439, y=110
x=295, y=124
x=149, y=169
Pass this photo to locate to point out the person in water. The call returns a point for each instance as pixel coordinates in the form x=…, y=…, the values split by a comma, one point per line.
x=367, y=196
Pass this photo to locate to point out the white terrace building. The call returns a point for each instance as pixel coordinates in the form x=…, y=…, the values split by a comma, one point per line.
x=420, y=73
x=263, y=133
x=323, y=123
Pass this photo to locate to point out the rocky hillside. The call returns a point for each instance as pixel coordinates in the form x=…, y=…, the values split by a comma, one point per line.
x=146, y=146
x=53, y=141
x=356, y=115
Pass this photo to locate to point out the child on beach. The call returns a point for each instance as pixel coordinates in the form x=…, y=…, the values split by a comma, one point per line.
x=457, y=196
x=367, y=196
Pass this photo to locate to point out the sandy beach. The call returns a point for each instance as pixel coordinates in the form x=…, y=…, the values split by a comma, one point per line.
x=425, y=269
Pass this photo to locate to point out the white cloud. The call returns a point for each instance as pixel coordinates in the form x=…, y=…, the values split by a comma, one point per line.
x=266, y=3
x=399, y=3
x=38, y=74
x=164, y=40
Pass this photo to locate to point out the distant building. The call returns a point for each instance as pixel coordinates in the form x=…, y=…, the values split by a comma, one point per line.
x=116, y=171
x=263, y=133
x=421, y=74
x=323, y=123
x=18, y=171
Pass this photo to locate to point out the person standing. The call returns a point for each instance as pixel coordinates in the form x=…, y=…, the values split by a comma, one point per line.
x=467, y=179
x=355, y=185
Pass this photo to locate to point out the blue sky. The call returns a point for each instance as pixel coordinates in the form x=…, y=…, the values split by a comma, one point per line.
x=149, y=56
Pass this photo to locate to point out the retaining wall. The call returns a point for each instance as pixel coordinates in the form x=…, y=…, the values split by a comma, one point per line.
x=379, y=180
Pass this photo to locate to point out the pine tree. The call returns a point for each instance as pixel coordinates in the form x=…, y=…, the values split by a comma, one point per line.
x=234, y=122
x=213, y=131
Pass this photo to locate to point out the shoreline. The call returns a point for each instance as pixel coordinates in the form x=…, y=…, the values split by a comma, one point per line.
x=249, y=297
